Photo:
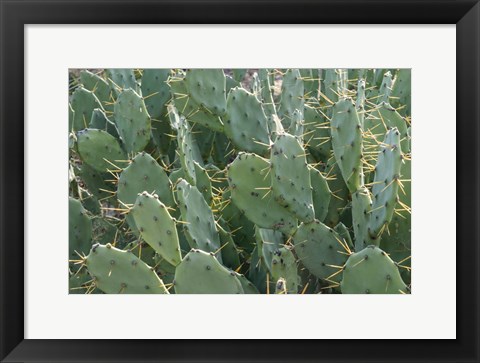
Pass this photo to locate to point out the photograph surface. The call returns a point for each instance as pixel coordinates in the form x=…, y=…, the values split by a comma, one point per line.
x=239, y=181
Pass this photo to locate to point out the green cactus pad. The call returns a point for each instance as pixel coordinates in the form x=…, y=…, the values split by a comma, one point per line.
x=230, y=83
x=247, y=286
x=397, y=243
x=310, y=81
x=156, y=94
x=238, y=222
x=385, y=88
x=330, y=85
x=317, y=133
x=200, y=228
x=96, y=181
x=143, y=174
x=360, y=102
x=371, y=271
x=275, y=126
x=157, y=227
x=284, y=265
x=259, y=275
x=207, y=88
x=268, y=242
x=361, y=212
x=321, y=250
x=71, y=118
x=321, y=194
x=249, y=182
x=190, y=109
x=177, y=174
x=99, y=87
x=230, y=253
x=344, y=234
x=291, y=185
x=202, y=182
x=132, y=120
x=83, y=102
x=239, y=74
x=385, y=185
x=79, y=229
x=201, y=273
x=187, y=151
x=121, y=79
x=99, y=149
x=246, y=123
x=155, y=91
x=101, y=122
x=339, y=191
x=291, y=98
x=121, y=272
x=347, y=142
x=401, y=91
x=390, y=118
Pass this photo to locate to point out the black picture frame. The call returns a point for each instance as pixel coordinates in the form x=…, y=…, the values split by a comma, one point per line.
x=16, y=14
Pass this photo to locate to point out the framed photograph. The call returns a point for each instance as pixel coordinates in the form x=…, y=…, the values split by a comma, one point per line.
x=239, y=181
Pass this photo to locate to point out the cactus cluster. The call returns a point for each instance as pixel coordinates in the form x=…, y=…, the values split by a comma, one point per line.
x=236, y=181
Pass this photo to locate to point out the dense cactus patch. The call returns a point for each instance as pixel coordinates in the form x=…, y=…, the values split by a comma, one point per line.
x=219, y=181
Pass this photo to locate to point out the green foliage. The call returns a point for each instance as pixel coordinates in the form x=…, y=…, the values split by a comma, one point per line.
x=233, y=181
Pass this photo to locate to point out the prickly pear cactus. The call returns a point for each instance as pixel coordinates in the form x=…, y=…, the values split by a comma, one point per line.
x=291, y=185
x=157, y=227
x=239, y=181
x=120, y=272
x=371, y=271
x=99, y=149
x=201, y=273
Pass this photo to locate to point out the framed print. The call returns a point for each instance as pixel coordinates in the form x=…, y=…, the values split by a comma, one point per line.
x=181, y=165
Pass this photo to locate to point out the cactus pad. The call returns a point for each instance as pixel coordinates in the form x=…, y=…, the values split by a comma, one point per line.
x=285, y=266
x=99, y=149
x=292, y=94
x=347, y=142
x=79, y=230
x=132, y=120
x=291, y=185
x=385, y=185
x=121, y=272
x=361, y=212
x=83, y=102
x=249, y=182
x=157, y=227
x=143, y=174
x=321, y=194
x=246, y=123
x=200, y=228
x=371, y=271
x=321, y=250
x=207, y=88
x=201, y=273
